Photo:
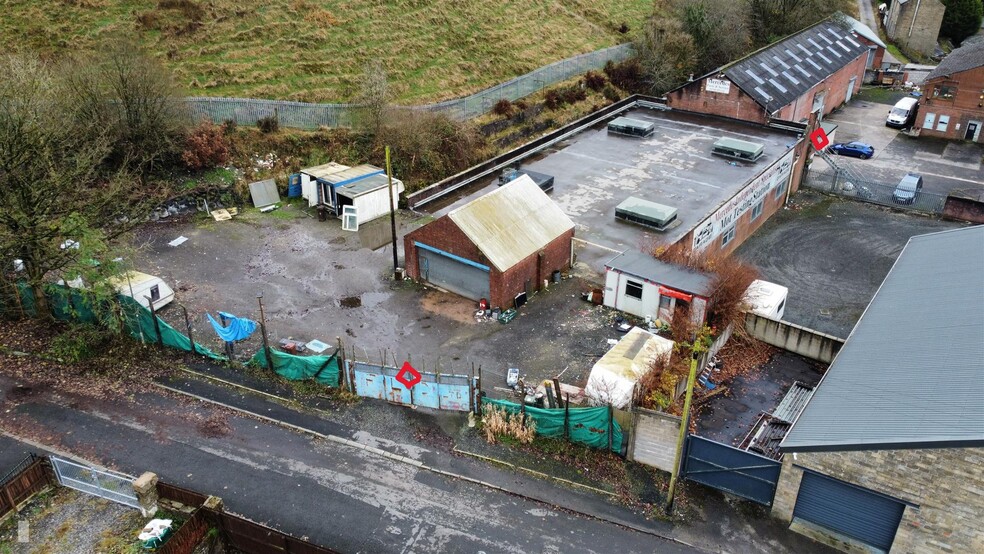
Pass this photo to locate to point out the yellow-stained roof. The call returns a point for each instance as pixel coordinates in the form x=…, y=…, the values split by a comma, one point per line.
x=322, y=171
x=136, y=278
x=633, y=356
x=511, y=223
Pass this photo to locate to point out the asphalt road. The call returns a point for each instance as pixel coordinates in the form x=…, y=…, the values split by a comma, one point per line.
x=333, y=494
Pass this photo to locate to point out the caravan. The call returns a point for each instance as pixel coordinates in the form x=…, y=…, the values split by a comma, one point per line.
x=144, y=288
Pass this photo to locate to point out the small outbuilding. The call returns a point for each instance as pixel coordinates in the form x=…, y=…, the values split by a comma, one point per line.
x=364, y=188
x=500, y=245
x=643, y=286
x=613, y=378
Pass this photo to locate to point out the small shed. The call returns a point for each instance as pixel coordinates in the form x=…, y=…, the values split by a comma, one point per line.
x=334, y=186
x=500, y=245
x=613, y=378
x=643, y=286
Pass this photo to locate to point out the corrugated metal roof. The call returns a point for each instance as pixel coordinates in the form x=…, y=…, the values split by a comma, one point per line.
x=645, y=266
x=911, y=374
x=780, y=73
x=322, y=171
x=793, y=403
x=367, y=185
x=969, y=56
x=862, y=30
x=512, y=222
x=633, y=356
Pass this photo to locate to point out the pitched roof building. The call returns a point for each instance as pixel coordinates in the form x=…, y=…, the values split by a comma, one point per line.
x=887, y=452
x=952, y=105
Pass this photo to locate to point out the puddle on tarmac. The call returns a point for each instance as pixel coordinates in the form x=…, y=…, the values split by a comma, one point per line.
x=350, y=302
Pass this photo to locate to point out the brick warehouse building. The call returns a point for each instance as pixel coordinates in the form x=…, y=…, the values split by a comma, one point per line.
x=497, y=246
x=887, y=454
x=952, y=105
x=816, y=69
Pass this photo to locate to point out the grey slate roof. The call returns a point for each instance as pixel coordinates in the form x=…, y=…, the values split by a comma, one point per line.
x=911, y=374
x=780, y=73
x=645, y=266
x=968, y=56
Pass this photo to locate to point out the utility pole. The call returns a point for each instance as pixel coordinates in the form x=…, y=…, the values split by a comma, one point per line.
x=684, y=427
x=266, y=345
x=389, y=176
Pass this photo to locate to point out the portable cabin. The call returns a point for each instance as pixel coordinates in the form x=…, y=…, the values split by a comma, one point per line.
x=738, y=149
x=334, y=186
x=631, y=127
x=144, y=288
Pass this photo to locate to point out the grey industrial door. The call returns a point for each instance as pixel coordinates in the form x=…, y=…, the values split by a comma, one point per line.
x=852, y=511
x=456, y=276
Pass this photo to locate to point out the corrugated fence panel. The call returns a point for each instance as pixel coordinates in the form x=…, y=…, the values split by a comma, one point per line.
x=445, y=392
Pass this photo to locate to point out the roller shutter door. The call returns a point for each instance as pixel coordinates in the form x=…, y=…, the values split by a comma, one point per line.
x=453, y=275
x=852, y=511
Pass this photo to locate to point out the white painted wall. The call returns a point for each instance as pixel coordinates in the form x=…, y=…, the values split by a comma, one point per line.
x=376, y=204
x=615, y=296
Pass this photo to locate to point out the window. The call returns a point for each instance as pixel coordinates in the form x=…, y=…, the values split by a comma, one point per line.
x=155, y=293
x=757, y=209
x=780, y=190
x=945, y=91
x=633, y=289
x=729, y=235
x=928, y=122
x=664, y=302
x=942, y=123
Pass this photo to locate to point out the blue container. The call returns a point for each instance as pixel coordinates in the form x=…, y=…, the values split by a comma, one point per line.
x=294, y=186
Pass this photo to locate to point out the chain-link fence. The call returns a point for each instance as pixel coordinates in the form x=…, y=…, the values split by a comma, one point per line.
x=301, y=115
x=886, y=194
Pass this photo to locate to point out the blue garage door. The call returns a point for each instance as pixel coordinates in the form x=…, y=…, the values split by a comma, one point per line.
x=455, y=274
x=858, y=513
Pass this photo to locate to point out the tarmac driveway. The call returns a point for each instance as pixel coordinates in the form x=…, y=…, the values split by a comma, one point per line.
x=946, y=166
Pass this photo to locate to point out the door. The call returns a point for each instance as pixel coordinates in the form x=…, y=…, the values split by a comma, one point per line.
x=973, y=130
x=850, y=89
x=453, y=274
x=854, y=512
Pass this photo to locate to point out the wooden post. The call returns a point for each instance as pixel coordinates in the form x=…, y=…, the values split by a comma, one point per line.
x=478, y=403
x=266, y=344
x=522, y=410
x=157, y=325
x=471, y=389
x=341, y=365
x=191, y=338
x=611, y=427
x=567, y=417
x=389, y=177
x=560, y=400
x=9, y=497
x=438, y=379
x=684, y=428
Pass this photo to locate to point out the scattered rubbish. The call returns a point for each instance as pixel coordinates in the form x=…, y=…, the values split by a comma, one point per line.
x=224, y=214
x=269, y=208
x=155, y=533
x=512, y=377
x=178, y=241
x=507, y=316
x=316, y=346
x=264, y=193
x=612, y=342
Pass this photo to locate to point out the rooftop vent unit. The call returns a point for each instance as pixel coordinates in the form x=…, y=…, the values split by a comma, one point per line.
x=738, y=149
x=631, y=127
x=646, y=213
x=542, y=180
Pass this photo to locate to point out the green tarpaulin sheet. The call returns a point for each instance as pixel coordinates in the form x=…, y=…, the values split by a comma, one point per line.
x=323, y=369
x=587, y=425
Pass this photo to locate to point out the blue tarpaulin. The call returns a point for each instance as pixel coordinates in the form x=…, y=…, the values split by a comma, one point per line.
x=239, y=328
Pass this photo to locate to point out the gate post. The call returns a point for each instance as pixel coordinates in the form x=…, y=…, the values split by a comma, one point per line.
x=145, y=488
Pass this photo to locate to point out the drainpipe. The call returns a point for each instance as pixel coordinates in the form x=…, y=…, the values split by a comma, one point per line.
x=912, y=23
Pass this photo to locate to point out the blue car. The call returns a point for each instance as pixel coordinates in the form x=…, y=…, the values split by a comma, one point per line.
x=853, y=149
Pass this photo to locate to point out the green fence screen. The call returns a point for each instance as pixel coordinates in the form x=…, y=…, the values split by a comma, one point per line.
x=323, y=369
x=586, y=425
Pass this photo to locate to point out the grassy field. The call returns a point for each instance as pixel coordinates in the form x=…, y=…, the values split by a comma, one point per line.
x=315, y=50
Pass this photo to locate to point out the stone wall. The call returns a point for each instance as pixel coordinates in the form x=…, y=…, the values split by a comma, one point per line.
x=919, y=37
x=947, y=485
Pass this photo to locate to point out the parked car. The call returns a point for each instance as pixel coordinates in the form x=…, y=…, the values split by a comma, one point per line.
x=903, y=114
x=854, y=149
x=907, y=189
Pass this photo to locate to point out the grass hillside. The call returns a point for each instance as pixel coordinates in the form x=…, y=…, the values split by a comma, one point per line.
x=315, y=50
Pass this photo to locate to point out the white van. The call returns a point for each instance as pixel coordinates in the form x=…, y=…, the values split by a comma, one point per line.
x=140, y=286
x=766, y=299
x=903, y=115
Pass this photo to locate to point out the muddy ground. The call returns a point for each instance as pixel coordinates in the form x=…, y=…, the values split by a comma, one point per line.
x=319, y=282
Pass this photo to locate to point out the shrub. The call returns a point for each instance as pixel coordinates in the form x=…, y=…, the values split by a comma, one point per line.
x=79, y=343
x=229, y=127
x=497, y=422
x=623, y=28
x=611, y=93
x=553, y=99
x=268, y=124
x=521, y=105
x=573, y=94
x=595, y=81
x=626, y=75
x=206, y=146
x=503, y=107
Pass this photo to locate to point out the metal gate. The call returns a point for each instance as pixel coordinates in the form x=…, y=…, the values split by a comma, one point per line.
x=106, y=484
x=864, y=515
x=458, y=275
x=731, y=470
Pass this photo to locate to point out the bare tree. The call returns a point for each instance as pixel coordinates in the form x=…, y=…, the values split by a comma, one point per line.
x=719, y=29
x=374, y=96
x=771, y=20
x=666, y=53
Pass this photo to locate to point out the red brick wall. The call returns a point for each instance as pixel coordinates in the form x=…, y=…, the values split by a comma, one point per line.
x=739, y=105
x=963, y=107
x=736, y=104
x=443, y=234
x=505, y=286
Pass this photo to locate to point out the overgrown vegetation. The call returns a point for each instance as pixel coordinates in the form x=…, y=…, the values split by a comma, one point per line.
x=315, y=50
x=205, y=147
x=961, y=19
x=498, y=424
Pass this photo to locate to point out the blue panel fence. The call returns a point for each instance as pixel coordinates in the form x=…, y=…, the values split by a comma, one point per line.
x=435, y=390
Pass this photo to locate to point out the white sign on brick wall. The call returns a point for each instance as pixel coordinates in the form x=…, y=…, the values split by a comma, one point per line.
x=718, y=85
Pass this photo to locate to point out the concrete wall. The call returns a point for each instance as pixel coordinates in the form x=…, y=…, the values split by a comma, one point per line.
x=965, y=106
x=964, y=209
x=789, y=336
x=947, y=485
x=654, y=438
x=919, y=37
